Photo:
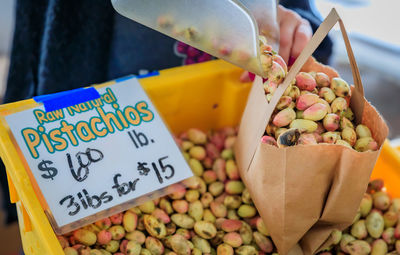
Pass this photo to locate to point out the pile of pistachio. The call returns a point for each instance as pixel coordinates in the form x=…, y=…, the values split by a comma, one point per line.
x=212, y=213
x=314, y=109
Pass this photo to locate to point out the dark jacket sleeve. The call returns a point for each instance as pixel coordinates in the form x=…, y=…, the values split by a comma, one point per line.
x=57, y=45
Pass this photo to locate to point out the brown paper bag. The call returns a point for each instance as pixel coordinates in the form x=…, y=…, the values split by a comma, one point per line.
x=304, y=192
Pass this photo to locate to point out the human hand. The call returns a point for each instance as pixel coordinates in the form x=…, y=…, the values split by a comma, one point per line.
x=295, y=32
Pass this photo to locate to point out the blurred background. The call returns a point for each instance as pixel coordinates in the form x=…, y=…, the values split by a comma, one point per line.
x=373, y=28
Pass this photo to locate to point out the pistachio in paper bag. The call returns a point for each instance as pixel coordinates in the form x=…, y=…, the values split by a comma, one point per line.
x=304, y=192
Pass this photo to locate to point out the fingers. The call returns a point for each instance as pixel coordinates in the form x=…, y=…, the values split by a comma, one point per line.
x=295, y=32
x=288, y=24
x=247, y=77
x=303, y=34
x=244, y=77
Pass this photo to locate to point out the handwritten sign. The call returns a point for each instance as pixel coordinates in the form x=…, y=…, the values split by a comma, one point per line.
x=98, y=154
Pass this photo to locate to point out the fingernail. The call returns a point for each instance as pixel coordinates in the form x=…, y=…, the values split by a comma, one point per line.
x=291, y=60
x=244, y=77
x=252, y=76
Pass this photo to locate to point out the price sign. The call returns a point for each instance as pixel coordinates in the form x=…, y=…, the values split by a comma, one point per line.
x=89, y=157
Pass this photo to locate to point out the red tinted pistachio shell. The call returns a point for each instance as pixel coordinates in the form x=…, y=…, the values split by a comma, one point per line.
x=116, y=219
x=266, y=60
x=104, y=223
x=246, y=233
x=276, y=73
x=307, y=139
x=330, y=137
x=306, y=100
x=205, y=229
x=224, y=249
x=197, y=152
x=263, y=242
x=315, y=112
x=331, y=122
x=232, y=170
x=381, y=200
x=192, y=195
x=278, y=59
x=196, y=210
x=232, y=201
x=327, y=105
x=133, y=248
x=305, y=81
x=112, y=246
x=104, y=237
x=322, y=80
x=197, y=136
x=85, y=237
x=390, y=218
x=365, y=144
x=136, y=236
x=327, y=94
x=349, y=135
x=246, y=211
x=359, y=247
x=339, y=105
x=183, y=220
x=308, y=126
x=130, y=221
x=292, y=91
x=346, y=239
x=284, y=117
x=388, y=236
x=180, y=206
x=233, y=239
x=209, y=176
x=270, y=86
x=248, y=250
x=379, y=246
x=268, y=140
x=219, y=168
x=154, y=245
x=363, y=131
x=231, y=225
x=359, y=229
x=340, y=87
x=284, y=102
x=154, y=226
x=261, y=227
x=178, y=191
x=345, y=122
x=196, y=166
x=218, y=209
x=72, y=251
x=375, y=224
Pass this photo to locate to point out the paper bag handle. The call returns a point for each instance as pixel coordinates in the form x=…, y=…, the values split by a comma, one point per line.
x=253, y=124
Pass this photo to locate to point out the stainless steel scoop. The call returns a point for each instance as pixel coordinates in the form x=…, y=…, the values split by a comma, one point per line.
x=227, y=29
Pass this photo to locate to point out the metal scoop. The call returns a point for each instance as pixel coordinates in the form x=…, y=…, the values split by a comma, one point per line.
x=227, y=29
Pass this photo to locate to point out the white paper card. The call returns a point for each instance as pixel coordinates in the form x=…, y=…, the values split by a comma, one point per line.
x=98, y=154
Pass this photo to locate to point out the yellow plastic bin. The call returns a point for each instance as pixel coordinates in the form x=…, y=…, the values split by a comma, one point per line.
x=207, y=96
